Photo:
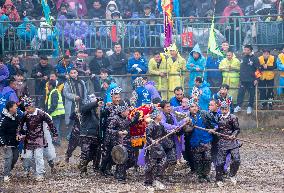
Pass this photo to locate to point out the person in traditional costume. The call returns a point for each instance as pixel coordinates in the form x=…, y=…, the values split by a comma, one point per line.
x=118, y=134
x=32, y=127
x=169, y=121
x=228, y=125
x=200, y=143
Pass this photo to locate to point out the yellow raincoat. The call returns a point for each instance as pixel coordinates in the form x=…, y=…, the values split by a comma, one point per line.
x=154, y=71
x=231, y=75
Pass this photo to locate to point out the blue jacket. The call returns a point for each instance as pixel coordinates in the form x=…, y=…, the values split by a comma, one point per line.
x=199, y=63
x=205, y=97
x=213, y=63
x=199, y=136
x=62, y=70
x=143, y=96
x=142, y=64
x=174, y=102
x=23, y=33
x=107, y=98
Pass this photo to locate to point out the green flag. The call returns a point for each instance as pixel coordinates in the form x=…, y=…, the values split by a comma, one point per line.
x=212, y=43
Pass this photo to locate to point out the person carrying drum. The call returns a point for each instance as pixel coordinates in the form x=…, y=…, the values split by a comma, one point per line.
x=118, y=135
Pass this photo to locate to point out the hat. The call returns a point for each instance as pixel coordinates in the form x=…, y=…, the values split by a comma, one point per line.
x=138, y=81
x=155, y=113
x=224, y=104
x=173, y=47
x=27, y=101
x=116, y=90
x=192, y=101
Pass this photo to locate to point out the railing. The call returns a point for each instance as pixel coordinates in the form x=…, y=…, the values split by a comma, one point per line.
x=141, y=33
x=125, y=81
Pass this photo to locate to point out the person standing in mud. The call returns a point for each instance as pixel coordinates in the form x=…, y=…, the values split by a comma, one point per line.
x=200, y=142
x=106, y=161
x=89, y=133
x=118, y=134
x=173, y=150
x=228, y=125
x=34, y=142
x=156, y=159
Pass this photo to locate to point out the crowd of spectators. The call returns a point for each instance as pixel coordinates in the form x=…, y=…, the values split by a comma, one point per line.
x=30, y=30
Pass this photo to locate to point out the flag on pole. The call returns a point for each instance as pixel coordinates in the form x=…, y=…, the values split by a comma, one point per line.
x=167, y=6
x=212, y=43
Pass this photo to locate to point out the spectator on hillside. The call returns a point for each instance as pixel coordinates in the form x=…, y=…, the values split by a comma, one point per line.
x=65, y=11
x=176, y=67
x=230, y=67
x=136, y=29
x=248, y=78
x=267, y=64
x=22, y=86
x=59, y=85
x=97, y=63
x=97, y=11
x=233, y=7
x=82, y=66
x=4, y=74
x=78, y=7
x=115, y=30
x=10, y=10
x=110, y=8
x=214, y=76
x=40, y=73
x=195, y=65
x=24, y=7
x=75, y=93
x=118, y=64
x=147, y=13
x=64, y=28
x=79, y=30
x=10, y=91
x=4, y=32
x=280, y=67
x=26, y=32
x=176, y=100
x=63, y=68
x=158, y=71
x=15, y=66
x=137, y=64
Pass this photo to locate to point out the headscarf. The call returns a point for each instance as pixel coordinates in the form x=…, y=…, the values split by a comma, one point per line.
x=155, y=113
x=192, y=101
x=224, y=104
x=116, y=90
x=27, y=101
x=138, y=82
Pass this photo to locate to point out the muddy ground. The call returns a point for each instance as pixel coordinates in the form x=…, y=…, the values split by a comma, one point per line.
x=262, y=170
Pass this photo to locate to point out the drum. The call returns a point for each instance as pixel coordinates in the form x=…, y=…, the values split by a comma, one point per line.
x=119, y=154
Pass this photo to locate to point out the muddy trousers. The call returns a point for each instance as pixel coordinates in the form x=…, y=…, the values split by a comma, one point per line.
x=89, y=148
x=74, y=142
x=221, y=160
x=106, y=162
x=202, y=160
x=120, y=172
x=153, y=168
x=171, y=161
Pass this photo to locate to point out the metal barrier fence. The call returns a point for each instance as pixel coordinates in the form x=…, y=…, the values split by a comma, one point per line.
x=140, y=33
x=126, y=81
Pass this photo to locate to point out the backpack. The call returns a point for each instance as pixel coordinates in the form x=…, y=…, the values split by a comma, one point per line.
x=4, y=99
